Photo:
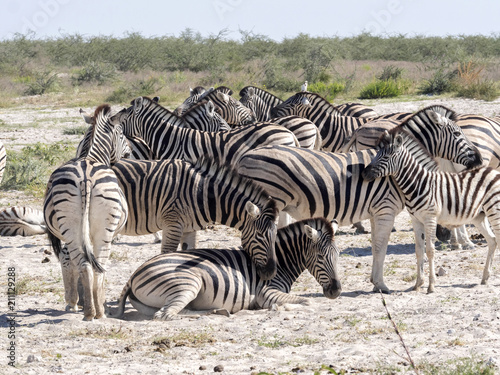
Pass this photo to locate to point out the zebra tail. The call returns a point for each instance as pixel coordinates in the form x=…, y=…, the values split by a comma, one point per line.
x=118, y=313
x=88, y=248
x=55, y=242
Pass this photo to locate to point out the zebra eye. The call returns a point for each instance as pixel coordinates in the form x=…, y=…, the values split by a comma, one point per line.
x=457, y=133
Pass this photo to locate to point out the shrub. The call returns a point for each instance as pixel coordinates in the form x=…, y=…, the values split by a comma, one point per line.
x=440, y=82
x=41, y=82
x=380, y=89
x=144, y=87
x=94, y=72
x=390, y=72
x=30, y=168
x=328, y=91
x=485, y=90
x=120, y=95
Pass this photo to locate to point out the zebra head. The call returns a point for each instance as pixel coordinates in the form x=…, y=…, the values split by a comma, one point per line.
x=451, y=141
x=258, y=237
x=115, y=146
x=204, y=116
x=390, y=152
x=231, y=110
x=322, y=255
x=254, y=102
x=195, y=96
x=298, y=104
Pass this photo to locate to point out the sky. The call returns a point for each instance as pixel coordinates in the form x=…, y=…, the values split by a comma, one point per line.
x=277, y=19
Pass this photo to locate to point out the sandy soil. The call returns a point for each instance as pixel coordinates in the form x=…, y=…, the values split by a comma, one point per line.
x=351, y=333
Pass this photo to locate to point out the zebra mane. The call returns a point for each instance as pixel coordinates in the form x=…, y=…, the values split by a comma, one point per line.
x=318, y=223
x=198, y=90
x=213, y=168
x=224, y=89
x=313, y=96
x=441, y=109
x=244, y=90
x=410, y=142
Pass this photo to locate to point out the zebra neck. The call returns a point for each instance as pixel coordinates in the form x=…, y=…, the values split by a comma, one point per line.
x=290, y=258
x=99, y=146
x=411, y=177
x=166, y=141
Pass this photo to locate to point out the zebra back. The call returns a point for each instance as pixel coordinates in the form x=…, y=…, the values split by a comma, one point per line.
x=21, y=221
x=3, y=160
x=231, y=110
x=204, y=116
x=355, y=110
x=259, y=101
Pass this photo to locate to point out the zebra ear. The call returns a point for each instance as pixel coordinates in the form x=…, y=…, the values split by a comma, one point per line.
x=335, y=226
x=252, y=210
x=210, y=107
x=138, y=102
x=191, y=93
x=88, y=119
x=305, y=101
x=437, y=118
x=156, y=99
x=223, y=97
x=312, y=233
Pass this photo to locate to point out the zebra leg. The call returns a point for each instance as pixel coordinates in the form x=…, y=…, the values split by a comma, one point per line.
x=463, y=238
x=269, y=296
x=484, y=228
x=455, y=244
x=360, y=229
x=157, y=237
x=189, y=240
x=177, y=303
x=430, y=231
x=381, y=231
x=171, y=238
x=419, y=230
x=70, y=277
x=87, y=275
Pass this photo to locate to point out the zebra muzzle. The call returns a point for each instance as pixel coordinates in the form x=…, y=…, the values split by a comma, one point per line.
x=267, y=271
x=333, y=289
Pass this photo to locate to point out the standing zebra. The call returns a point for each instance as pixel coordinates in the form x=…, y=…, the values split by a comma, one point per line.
x=308, y=183
x=179, y=198
x=259, y=101
x=84, y=207
x=215, y=279
x=21, y=221
x=3, y=160
x=335, y=128
x=450, y=199
x=143, y=119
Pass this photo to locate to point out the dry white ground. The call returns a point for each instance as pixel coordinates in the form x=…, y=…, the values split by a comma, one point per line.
x=351, y=333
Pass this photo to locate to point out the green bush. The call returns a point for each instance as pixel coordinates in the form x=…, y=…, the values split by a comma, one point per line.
x=41, y=82
x=440, y=82
x=390, y=72
x=484, y=90
x=380, y=89
x=120, y=95
x=328, y=91
x=30, y=168
x=94, y=72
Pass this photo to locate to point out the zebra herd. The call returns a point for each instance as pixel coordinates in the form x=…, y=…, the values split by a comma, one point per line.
x=251, y=164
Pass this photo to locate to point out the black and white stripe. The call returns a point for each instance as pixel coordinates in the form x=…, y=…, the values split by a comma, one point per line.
x=179, y=198
x=84, y=207
x=214, y=279
x=194, y=97
x=3, y=160
x=259, y=101
x=143, y=119
x=451, y=199
x=309, y=183
x=203, y=116
x=21, y=221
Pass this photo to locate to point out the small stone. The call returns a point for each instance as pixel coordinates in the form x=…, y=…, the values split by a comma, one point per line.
x=45, y=260
x=451, y=332
x=218, y=368
x=358, y=265
x=441, y=271
x=33, y=358
x=476, y=317
x=48, y=252
x=202, y=367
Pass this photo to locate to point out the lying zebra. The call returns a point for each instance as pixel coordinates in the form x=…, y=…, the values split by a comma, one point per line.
x=226, y=281
x=450, y=199
x=21, y=221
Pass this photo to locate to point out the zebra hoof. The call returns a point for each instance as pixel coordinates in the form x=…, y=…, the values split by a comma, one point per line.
x=72, y=308
x=222, y=312
x=468, y=246
x=384, y=289
x=88, y=318
x=456, y=247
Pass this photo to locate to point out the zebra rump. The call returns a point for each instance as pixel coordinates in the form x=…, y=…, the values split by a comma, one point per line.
x=205, y=280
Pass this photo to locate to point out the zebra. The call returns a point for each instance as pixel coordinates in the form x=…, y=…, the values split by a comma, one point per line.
x=307, y=183
x=143, y=119
x=306, y=132
x=452, y=199
x=194, y=97
x=225, y=280
x=335, y=129
x=21, y=221
x=180, y=198
x=3, y=160
x=84, y=207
